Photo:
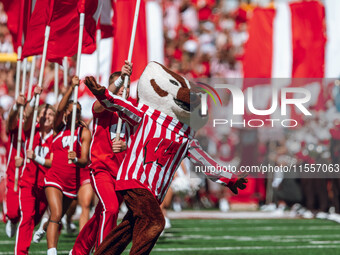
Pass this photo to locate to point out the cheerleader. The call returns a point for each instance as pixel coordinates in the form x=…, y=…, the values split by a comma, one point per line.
x=62, y=182
x=11, y=202
x=107, y=155
x=31, y=193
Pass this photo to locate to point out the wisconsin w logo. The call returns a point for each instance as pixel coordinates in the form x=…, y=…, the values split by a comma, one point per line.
x=41, y=151
x=160, y=150
x=66, y=141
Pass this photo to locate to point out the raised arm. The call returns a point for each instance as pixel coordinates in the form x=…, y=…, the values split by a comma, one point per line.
x=115, y=85
x=126, y=71
x=12, y=120
x=63, y=103
x=29, y=109
x=111, y=102
x=198, y=156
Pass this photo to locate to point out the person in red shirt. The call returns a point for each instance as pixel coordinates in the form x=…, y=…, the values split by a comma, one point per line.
x=11, y=204
x=62, y=181
x=31, y=193
x=106, y=154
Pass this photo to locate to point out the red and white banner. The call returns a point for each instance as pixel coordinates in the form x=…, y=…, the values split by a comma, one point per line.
x=291, y=40
x=294, y=40
x=108, y=19
x=149, y=44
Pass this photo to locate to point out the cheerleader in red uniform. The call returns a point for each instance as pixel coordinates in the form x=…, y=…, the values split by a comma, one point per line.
x=11, y=203
x=106, y=157
x=62, y=181
x=31, y=193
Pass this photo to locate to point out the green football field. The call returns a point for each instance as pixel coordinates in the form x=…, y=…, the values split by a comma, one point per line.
x=260, y=236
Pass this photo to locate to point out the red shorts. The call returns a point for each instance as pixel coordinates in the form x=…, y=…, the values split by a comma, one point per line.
x=67, y=182
x=85, y=176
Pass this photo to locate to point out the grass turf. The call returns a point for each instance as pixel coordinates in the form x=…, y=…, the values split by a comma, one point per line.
x=241, y=237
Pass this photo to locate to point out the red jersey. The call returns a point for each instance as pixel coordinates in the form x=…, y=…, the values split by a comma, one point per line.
x=63, y=175
x=11, y=152
x=104, y=132
x=157, y=145
x=34, y=173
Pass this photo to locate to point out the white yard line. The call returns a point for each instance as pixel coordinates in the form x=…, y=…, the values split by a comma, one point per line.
x=247, y=248
x=273, y=238
x=33, y=252
x=13, y=241
x=227, y=215
x=242, y=229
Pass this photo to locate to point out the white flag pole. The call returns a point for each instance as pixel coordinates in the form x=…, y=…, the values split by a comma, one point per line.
x=56, y=81
x=98, y=38
x=21, y=114
x=126, y=79
x=41, y=75
x=17, y=79
x=30, y=84
x=65, y=71
x=75, y=93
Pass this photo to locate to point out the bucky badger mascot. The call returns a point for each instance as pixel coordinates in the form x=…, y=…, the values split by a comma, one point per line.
x=159, y=137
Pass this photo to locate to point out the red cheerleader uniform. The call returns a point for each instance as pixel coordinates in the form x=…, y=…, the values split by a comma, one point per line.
x=62, y=175
x=104, y=168
x=11, y=203
x=32, y=197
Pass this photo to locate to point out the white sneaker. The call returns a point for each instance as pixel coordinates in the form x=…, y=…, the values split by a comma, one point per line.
x=167, y=223
x=38, y=235
x=268, y=208
x=224, y=205
x=10, y=228
x=308, y=215
x=334, y=217
x=70, y=253
x=280, y=211
x=321, y=215
x=294, y=211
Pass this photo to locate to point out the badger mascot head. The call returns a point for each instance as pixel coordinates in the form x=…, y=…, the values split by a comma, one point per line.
x=168, y=92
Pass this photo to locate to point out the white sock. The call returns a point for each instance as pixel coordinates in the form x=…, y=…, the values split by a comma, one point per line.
x=52, y=251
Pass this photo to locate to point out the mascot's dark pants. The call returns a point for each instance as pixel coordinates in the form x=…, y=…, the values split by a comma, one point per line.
x=142, y=224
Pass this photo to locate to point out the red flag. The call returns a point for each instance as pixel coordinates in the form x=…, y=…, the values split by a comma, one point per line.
x=106, y=24
x=126, y=10
x=63, y=18
x=257, y=63
x=18, y=15
x=258, y=56
x=65, y=27
x=34, y=42
x=309, y=39
x=64, y=23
